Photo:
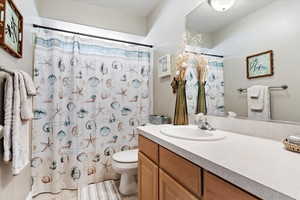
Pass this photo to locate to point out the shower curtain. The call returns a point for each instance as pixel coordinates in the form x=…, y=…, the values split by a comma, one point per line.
x=214, y=88
x=91, y=97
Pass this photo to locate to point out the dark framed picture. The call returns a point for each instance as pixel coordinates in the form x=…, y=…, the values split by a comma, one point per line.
x=260, y=65
x=11, y=28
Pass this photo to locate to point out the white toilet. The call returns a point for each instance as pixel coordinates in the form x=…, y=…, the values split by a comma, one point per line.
x=126, y=164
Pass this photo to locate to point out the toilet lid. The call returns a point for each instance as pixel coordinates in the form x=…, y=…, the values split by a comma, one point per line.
x=129, y=156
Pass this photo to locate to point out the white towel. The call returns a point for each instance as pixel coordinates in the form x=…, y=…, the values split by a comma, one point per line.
x=255, y=91
x=20, y=131
x=30, y=87
x=294, y=140
x=26, y=108
x=8, y=109
x=16, y=131
x=259, y=108
x=256, y=97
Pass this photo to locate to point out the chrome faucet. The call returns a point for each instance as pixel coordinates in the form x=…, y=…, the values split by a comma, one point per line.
x=203, y=124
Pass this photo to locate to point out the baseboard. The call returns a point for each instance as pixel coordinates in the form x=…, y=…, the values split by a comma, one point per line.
x=29, y=196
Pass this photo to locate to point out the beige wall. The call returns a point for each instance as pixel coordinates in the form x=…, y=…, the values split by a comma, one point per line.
x=17, y=188
x=91, y=15
x=275, y=27
x=166, y=29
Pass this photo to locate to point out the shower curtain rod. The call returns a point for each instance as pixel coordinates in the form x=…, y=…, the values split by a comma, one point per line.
x=206, y=54
x=213, y=55
x=93, y=36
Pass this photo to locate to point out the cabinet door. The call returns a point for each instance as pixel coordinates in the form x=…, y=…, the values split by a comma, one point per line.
x=169, y=189
x=218, y=189
x=147, y=179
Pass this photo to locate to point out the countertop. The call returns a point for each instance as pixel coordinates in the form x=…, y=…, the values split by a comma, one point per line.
x=262, y=167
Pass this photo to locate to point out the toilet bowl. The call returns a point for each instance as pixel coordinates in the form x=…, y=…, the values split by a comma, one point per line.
x=126, y=164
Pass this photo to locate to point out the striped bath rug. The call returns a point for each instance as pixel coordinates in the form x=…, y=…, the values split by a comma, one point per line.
x=101, y=191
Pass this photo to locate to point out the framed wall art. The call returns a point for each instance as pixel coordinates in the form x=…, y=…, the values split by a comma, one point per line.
x=11, y=28
x=260, y=65
x=164, y=66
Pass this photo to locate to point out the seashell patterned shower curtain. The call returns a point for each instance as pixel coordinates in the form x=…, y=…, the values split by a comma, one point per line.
x=214, y=88
x=91, y=97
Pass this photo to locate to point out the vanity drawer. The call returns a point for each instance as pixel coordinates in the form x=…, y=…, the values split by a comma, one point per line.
x=216, y=188
x=183, y=171
x=149, y=148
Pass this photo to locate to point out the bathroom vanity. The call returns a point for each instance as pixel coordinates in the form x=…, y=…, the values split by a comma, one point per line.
x=172, y=168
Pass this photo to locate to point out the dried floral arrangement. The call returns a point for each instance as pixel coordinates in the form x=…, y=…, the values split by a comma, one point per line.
x=183, y=57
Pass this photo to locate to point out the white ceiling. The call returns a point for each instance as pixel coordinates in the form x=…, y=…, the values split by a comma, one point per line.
x=135, y=7
x=206, y=20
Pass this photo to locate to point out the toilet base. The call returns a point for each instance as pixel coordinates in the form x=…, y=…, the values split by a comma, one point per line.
x=128, y=184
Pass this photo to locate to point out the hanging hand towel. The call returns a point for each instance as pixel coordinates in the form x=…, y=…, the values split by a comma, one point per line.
x=20, y=132
x=255, y=91
x=26, y=108
x=259, y=108
x=16, y=131
x=30, y=87
x=8, y=110
x=256, y=97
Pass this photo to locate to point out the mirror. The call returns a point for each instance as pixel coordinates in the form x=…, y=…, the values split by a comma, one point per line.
x=252, y=43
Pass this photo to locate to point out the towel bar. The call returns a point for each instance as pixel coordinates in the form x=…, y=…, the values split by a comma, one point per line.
x=282, y=87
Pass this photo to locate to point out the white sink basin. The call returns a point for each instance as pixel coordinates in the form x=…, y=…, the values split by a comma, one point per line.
x=192, y=133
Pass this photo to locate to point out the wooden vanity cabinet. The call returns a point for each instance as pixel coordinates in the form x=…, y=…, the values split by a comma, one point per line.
x=164, y=175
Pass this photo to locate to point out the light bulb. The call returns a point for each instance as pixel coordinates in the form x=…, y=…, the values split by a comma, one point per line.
x=221, y=5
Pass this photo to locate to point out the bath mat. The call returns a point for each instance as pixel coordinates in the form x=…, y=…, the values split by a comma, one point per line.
x=101, y=191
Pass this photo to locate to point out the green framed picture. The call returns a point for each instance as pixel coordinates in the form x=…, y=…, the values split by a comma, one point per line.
x=11, y=28
x=260, y=65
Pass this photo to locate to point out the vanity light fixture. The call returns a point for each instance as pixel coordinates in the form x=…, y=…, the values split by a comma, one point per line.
x=221, y=5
